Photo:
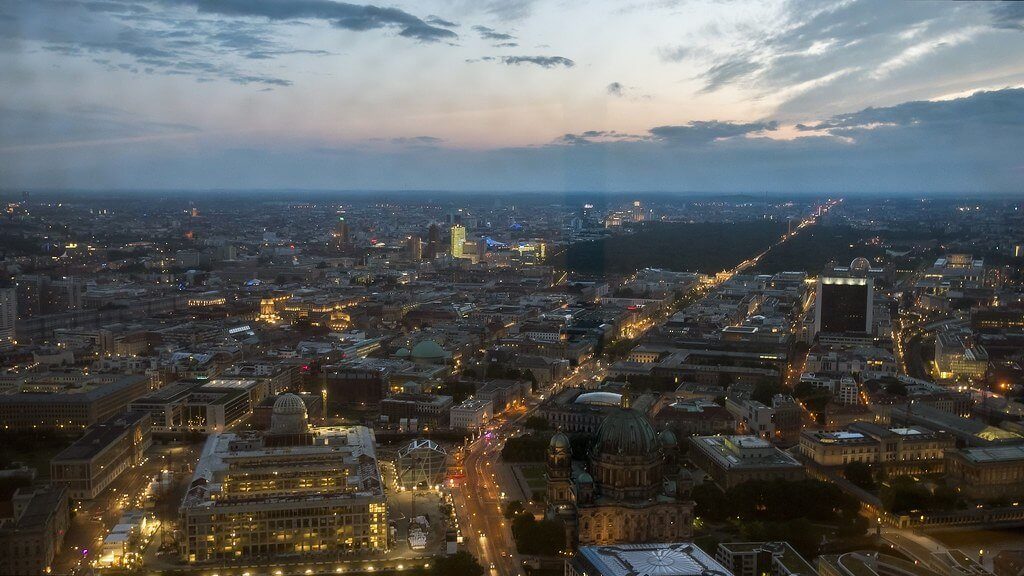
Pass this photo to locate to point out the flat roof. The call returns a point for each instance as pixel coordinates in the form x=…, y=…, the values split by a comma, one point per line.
x=679, y=559
x=98, y=437
x=994, y=454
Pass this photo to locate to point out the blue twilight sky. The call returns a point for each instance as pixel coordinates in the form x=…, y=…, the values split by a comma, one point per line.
x=633, y=95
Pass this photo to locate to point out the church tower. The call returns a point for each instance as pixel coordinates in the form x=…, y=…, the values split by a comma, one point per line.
x=559, y=470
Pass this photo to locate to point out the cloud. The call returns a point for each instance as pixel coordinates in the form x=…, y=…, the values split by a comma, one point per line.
x=491, y=34
x=417, y=140
x=993, y=109
x=509, y=9
x=505, y=45
x=438, y=21
x=1008, y=15
x=355, y=17
x=788, y=56
x=542, y=61
x=616, y=89
x=962, y=146
x=703, y=132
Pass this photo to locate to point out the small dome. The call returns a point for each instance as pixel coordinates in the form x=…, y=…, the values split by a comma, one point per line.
x=860, y=264
x=427, y=350
x=288, y=415
x=667, y=438
x=626, y=432
x=585, y=478
x=402, y=352
x=559, y=442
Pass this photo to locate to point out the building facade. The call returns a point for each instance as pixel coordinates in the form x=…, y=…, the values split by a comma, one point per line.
x=290, y=491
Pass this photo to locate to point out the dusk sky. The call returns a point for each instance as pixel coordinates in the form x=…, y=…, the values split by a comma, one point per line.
x=512, y=95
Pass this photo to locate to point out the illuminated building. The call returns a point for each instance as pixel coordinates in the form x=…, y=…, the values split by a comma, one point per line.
x=415, y=247
x=56, y=401
x=629, y=494
x=420, y=463
x=732, y=460
x=843, y=305
x=8, y=312
x=899, y=451
x=458, y=240
x=988, y=472
x=269, y=306
x=292, y=490
x=341, y=233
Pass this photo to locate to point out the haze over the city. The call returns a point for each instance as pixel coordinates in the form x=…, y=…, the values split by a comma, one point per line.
x=512, y=95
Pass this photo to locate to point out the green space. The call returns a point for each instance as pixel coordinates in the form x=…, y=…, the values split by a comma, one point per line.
x=816, y=246
x=764, y=510
x=536, y=478
x=32, y=449
x=700, y=247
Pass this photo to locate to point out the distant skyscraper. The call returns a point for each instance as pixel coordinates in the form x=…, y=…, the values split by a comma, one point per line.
x=458, y=239
x=433, y=241
x=415, y=247
x=638, y=212
x=8, y=312
x=341, y=233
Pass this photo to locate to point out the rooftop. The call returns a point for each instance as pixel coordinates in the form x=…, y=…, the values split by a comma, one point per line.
x=679, y=559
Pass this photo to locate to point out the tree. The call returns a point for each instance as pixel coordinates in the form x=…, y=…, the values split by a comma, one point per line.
x=859, y=474
x=764, y=391
x=544, y=538
x=536, y=423
x=461, y=563
x=513, y=509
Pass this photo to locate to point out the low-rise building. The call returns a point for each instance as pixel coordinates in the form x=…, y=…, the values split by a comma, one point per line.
x=472, y=414
x=899, y=451
x=763, y=559
x=58, y=401
x=675, y=559
x=732, y=460
x=31, y=538
x=425, y=409
x=989, y=472
x=99, y=457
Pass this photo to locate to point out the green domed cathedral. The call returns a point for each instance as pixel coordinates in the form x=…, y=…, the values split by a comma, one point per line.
x=628, y=491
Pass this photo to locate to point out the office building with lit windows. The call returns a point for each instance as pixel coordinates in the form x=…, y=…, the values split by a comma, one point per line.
x=458, y=240
x=293, y=490
x=65, y=401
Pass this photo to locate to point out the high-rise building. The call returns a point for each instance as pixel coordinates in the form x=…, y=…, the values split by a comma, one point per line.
x=341, y=233
x=8, y=312
x=415, y=247
x=294, y=490
x=433, y=241
x=844, y=302
x=458, y=239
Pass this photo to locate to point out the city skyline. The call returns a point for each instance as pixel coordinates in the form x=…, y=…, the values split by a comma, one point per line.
x=509, y=96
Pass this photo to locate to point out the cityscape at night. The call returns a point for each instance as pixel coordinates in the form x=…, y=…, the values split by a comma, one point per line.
x=511, y=288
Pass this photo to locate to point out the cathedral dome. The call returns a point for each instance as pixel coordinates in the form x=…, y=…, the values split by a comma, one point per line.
x=427, y=350
x=288, y=415
x=626, y=432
